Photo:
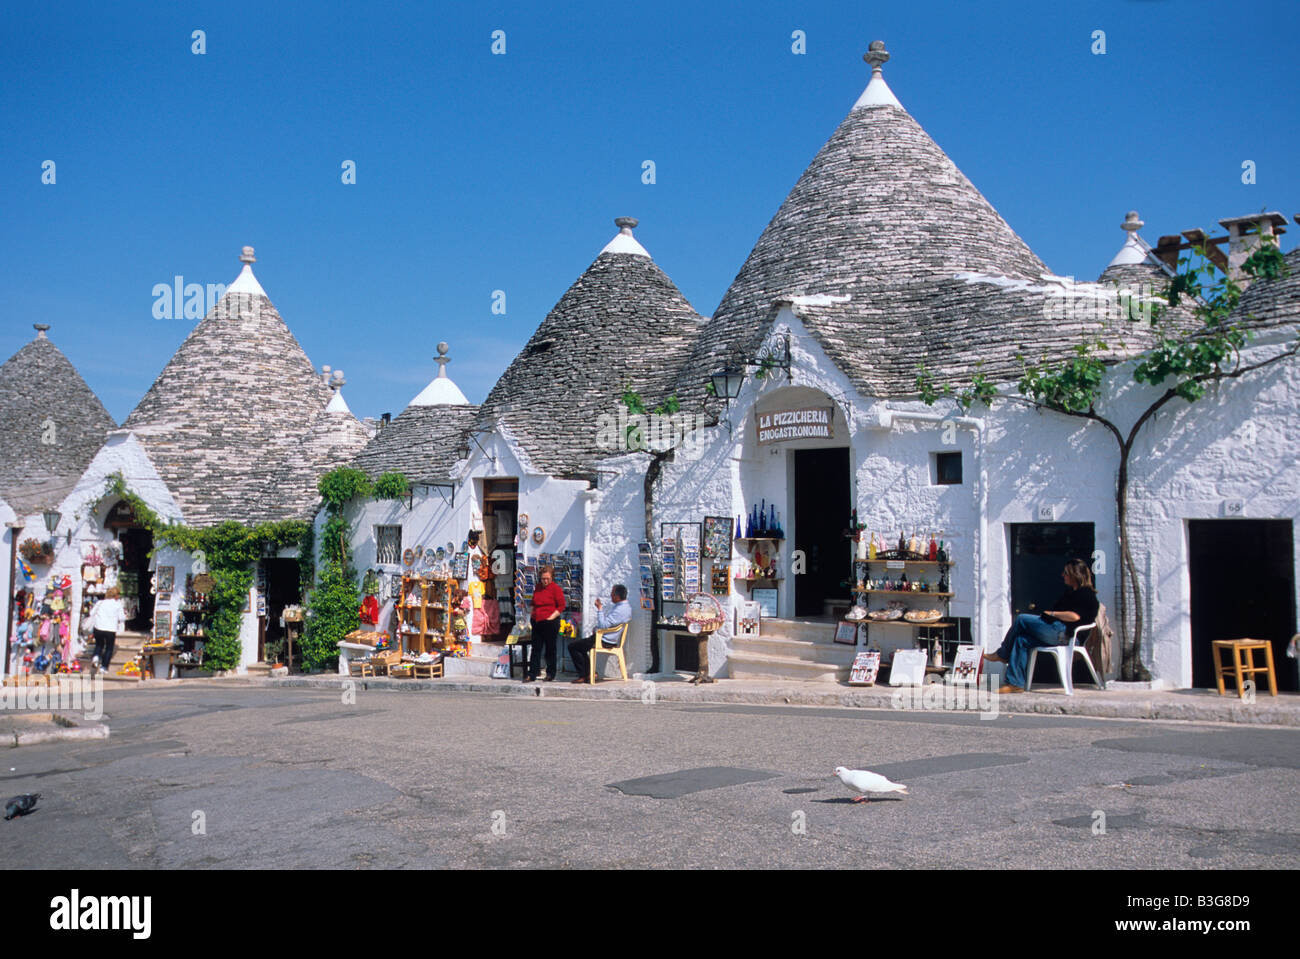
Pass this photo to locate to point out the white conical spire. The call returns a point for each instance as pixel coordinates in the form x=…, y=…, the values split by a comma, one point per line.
x=1135, y=248
x=246, y=282
x=877, y=93
x=624, y=241
x=442, y=391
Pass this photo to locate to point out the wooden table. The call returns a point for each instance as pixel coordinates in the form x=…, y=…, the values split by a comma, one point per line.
x=1243, y=663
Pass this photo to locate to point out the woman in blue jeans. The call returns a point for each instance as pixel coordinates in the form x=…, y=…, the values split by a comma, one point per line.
x=1053, y=627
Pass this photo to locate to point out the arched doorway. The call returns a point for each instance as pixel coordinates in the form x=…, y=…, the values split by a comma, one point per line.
x=133, y=578
x=797, y=459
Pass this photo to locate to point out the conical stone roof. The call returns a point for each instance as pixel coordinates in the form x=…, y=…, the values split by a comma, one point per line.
x=51, y=426
x=333, y=439
x=623, y=323
x=1268, y=303
x=232, y=404
x=892, y=258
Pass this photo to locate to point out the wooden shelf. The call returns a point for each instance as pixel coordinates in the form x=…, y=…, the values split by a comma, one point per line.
x=908, y=562
x=904, y=592
x=758, y=579
x=898, y=622
x=760, y=539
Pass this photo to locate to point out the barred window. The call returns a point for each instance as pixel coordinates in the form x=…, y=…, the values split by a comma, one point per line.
x=388, y=544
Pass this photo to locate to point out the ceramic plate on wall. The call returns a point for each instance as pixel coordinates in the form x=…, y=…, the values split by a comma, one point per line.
x=539, y=534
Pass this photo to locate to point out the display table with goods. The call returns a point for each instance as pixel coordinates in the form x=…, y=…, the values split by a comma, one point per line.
x=902, y=599
x=704, y=616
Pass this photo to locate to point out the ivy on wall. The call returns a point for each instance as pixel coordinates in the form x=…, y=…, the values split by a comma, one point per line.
x=332, y=612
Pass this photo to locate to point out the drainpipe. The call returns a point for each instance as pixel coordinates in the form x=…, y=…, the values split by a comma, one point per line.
x=885, y=418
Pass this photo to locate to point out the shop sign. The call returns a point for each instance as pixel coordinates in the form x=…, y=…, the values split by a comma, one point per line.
x=804, y=423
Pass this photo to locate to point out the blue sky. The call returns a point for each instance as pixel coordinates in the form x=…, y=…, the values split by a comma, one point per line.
x=478, y=172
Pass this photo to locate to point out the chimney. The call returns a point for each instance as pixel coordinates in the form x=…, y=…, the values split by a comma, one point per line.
x=1246, y=234
x=385, y=420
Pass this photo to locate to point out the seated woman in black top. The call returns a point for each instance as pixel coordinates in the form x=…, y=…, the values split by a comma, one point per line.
x=1075, y=607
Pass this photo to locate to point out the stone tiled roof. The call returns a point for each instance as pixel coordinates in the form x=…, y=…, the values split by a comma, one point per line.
x=420, y=443
x=622, y=323
x=232, y=404
x=42, y=396
x=333, y=440
x=1270, y=303
x=900, y=260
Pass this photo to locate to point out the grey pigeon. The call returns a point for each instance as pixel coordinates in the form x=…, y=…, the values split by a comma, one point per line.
x=21, y=805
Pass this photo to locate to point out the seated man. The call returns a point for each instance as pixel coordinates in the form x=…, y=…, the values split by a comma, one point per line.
x=620, y=612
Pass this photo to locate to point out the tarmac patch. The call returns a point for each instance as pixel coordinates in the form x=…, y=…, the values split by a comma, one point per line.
x=937, y=765
x=1277, y=749
x=686, y=781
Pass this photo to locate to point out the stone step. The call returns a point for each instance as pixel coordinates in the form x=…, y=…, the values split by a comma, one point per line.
x=745, y=665
x=778, y=647
x=468, y=666
x=809, y=631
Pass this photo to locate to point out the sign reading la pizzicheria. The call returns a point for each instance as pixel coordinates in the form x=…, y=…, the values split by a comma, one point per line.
x=807, y=423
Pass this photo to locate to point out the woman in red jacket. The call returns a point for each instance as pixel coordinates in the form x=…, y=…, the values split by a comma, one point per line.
x=548, y=605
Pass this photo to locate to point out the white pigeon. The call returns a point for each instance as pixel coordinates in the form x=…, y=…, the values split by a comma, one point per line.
x=868, y=783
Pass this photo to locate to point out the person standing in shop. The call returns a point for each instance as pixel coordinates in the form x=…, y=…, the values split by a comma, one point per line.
x=619, y=612
x=108, y=618
x=548, y=606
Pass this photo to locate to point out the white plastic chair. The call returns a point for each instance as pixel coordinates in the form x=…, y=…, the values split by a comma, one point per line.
x=1064, y=656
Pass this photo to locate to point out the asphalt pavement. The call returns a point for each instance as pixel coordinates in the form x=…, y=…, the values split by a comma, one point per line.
x=213, y=774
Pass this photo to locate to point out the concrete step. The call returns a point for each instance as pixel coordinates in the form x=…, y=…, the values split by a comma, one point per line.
x=745, y=665
x=468, y=666
x=809, y=631
x=778, y=647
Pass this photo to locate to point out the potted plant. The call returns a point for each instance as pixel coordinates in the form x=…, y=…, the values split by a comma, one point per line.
x=37, y=552
x=273, y=651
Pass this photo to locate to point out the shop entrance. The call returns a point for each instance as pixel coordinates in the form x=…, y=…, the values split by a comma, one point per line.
x=500, y=526
x=1242, y=578
x=822, y=505
x=1039, y=551
x=133, y=578
x=283, y=588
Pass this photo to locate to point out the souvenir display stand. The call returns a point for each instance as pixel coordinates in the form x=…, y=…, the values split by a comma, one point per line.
x=905, y=591
x=424, y=614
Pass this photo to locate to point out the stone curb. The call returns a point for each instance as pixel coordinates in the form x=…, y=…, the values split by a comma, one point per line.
x=61, y=728
x=1171, y=705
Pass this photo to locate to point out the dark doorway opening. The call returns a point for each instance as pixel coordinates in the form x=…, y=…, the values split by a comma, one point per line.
x=1039, y=551
x=283, y=588
x=134, y=578
x=822, y=504
x=1242, y=579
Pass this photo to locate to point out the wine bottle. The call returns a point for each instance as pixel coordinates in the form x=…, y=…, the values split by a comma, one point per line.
x=871, y=547
x=771, y=523
x=934, y=549
x=902, y=544
x=762, y=518
x=912, y=548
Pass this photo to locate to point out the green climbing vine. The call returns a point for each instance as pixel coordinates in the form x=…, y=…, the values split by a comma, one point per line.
x=335, y=599
x=227, y=551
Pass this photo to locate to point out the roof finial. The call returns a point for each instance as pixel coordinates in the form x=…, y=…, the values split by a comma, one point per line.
x=246, y=255
x=626, y=224
x=40, y=329
x=877, y=56
x=1132, y=222
x=442, y=360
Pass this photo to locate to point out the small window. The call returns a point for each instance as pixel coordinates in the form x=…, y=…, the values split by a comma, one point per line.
x=947, y=469
x=388, y=544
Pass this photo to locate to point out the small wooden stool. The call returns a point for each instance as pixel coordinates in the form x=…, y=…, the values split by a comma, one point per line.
x=427, y=670
x=361, y=669
x=1243, y=663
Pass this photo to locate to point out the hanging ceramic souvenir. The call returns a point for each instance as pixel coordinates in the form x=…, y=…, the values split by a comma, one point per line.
x=539, y=534
x=523, y=520
x=408, y=557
